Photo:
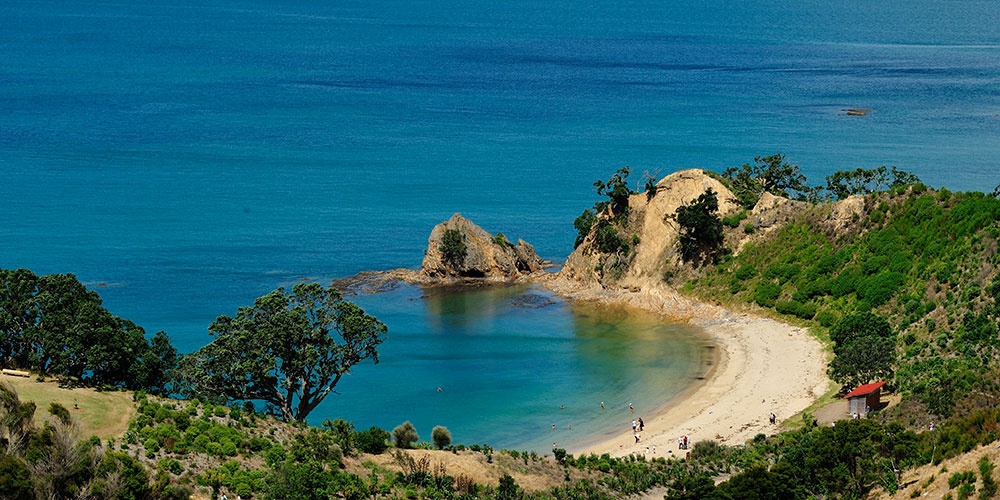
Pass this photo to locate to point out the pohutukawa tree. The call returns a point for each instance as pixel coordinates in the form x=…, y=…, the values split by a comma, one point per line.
x=289, y=350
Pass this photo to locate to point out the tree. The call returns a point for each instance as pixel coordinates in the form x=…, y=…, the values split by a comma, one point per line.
x=441, y=436
x=864, y=349
x=772, y=174
x=453, y=247
x=583, y=224
x=405, y=435
x=701, y=235
x=54, y=325
x=617, y=191
x=845, y=183
x=288, y=349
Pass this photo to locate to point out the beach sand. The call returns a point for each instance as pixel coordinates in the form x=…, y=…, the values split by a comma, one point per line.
x=760, y=366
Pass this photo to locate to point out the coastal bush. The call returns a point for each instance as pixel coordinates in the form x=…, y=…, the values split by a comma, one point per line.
x=734, y=220
x=453, y=247
x=705, y=449
x=745, y=272
x=441, y=436
x=404, y=435
x=805, y=311
x=772, y=174
x=766, y=293
x=608, y=239
x=701, y=238
x=373, y=441
x=583, y=224
x=501, y=240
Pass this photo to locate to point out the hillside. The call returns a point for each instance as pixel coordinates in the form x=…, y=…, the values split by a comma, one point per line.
x=925, y=260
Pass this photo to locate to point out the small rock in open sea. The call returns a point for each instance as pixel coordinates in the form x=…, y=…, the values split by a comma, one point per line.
x=532, y=300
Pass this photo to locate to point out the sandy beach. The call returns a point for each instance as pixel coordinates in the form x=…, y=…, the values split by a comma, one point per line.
x=760, y=366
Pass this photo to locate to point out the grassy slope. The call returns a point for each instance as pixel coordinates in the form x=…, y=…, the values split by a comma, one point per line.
x=101, y=414
x=925, y=260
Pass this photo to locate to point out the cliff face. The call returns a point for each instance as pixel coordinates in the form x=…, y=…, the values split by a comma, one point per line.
x=487, y=257
x=653, y=236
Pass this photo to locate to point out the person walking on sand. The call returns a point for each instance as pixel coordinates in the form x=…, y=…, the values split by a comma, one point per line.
x=636, y=437
x=641, y=425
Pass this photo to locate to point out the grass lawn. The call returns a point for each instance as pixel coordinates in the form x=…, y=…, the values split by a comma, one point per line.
x=101, y=414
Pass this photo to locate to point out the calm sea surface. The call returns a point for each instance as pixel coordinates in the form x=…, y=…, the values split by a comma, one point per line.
x=191, y=156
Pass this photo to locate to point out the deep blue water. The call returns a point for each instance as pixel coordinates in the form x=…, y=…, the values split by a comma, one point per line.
x=190, y=156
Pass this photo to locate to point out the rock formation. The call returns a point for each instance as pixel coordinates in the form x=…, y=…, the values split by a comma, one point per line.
x=653, y=235
x=486, y=257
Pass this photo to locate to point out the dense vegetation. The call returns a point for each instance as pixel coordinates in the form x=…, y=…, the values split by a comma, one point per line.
x=53, y=325
x=925, y=261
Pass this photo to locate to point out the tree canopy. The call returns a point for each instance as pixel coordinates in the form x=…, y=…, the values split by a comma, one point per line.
x=617, y=190
x=701, y=234
x=53, y=325
x=289, y=349
x=865, y=349
x=772, y=174
x=845, y=183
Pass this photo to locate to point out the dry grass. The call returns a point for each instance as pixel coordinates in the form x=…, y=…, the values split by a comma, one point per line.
x=101, y=414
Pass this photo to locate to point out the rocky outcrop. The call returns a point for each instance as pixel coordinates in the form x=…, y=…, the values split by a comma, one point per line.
x=653, y=235
x=486, y=257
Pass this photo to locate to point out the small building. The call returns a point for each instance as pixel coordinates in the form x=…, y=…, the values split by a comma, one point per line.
x=864, y=398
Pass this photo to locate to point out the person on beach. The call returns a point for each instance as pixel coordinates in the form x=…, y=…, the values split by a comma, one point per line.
x=636, y=437
x=602, y=405
x=630, y=409
x=773, y=418
x=635, y=425
x=641, y=425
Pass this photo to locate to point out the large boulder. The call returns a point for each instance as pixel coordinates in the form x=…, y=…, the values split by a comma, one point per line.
x=486, y=257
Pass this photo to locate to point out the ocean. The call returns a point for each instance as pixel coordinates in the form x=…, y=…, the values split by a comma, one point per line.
x=185, y=157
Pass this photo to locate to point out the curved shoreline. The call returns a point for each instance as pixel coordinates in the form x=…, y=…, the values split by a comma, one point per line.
x=759, y=366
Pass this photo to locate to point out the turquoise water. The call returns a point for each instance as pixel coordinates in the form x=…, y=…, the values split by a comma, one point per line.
x=511, y=363
x=186, y=157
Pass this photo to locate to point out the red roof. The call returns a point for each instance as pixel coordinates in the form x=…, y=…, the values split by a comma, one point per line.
x=865, y=390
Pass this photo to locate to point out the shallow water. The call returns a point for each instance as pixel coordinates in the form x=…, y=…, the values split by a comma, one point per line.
x=512, y=362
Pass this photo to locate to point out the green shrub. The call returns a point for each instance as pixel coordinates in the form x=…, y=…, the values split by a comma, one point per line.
x=734, y=220
x=501, y=240
x=745, y=272
x=373, y=441
x=608, y=239
x=766, y=293
x=804, y=311
x=171, y=465
x=453, y=247
x=404, y=435
x=878, y=289
x=441, y=436
x=706, y=449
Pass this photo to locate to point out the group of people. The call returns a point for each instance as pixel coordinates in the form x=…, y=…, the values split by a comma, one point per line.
x=682, y=442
